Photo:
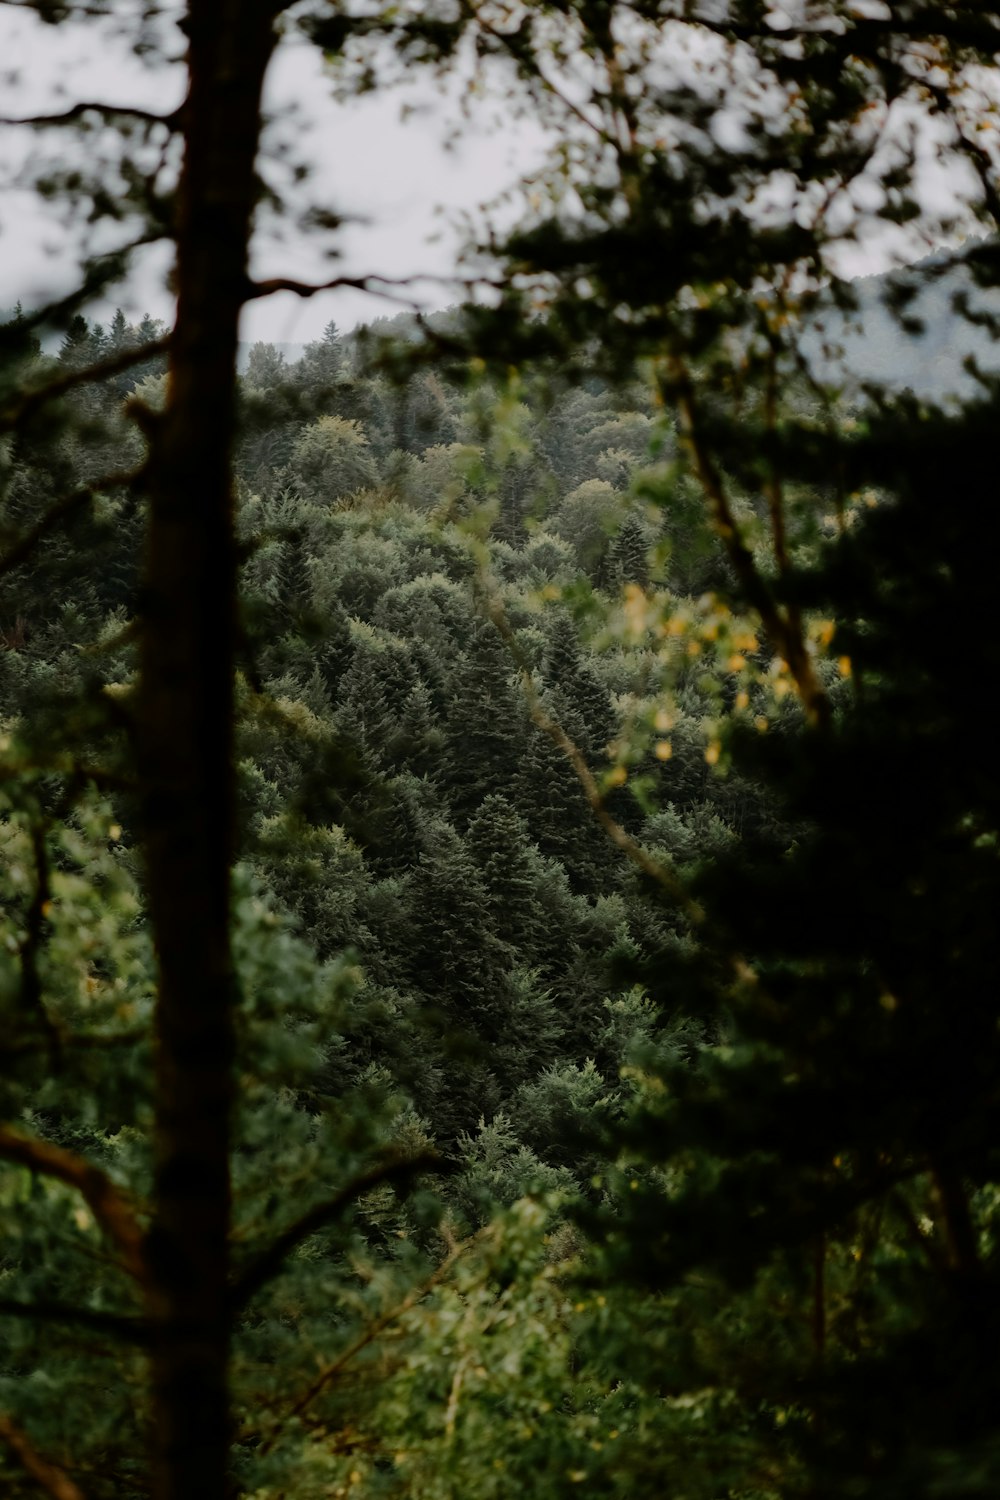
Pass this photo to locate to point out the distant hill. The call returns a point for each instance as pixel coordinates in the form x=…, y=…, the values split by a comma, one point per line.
x=924, y=352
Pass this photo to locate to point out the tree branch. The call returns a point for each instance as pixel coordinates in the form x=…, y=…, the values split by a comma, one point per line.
x=53, y=1480
x=11, y=416
x=270, y=1261
x=369, y=1335
x=257, y=289
x=57, y=514
x=110, y=111
x=105, y=1200
x=783, y=630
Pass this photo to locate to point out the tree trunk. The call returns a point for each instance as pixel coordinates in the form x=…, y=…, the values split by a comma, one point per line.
x=185, y=735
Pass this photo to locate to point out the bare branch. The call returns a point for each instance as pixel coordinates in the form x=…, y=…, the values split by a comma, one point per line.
x=61, y=511
x=53, y=1480
x=103, y=1197
x=257, y=289
x=103, y=369
x=270, y=1261
x=109, y=111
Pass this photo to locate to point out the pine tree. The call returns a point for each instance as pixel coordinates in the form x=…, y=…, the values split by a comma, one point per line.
x=497, y=839
x=580, y=699
x=628, y=555
x=485, y=724
x=321, y=367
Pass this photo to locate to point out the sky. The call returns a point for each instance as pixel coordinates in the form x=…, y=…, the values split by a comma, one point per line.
x=401, y=168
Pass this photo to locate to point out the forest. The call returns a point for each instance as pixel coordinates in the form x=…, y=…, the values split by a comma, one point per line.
x=499, y=823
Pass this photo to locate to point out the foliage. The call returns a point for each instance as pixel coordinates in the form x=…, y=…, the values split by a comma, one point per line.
x=499, y=850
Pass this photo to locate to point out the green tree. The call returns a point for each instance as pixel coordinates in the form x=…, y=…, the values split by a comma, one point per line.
x=331, y=459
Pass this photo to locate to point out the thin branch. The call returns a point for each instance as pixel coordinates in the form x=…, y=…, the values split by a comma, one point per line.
x=783, y=630
x=451, y=1411
x=258, y=289
x=99, y=13
x=102, y=369
x=103, y=1197
x=134, y=1330
x=550, y=726
x=60, y=512
x=525, y=57
x=269, y=1263
x=368, y=1336
x=110, y=111
x=53, y=1480
x=273, y=284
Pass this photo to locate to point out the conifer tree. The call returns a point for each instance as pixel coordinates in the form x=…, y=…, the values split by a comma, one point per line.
x=486, y=723
x=497, y=839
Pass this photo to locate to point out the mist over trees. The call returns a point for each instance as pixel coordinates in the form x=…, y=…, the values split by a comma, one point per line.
x=497, y=979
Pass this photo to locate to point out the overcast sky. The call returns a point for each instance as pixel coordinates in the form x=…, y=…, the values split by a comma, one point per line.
x=391, y=178
x=397, y=181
